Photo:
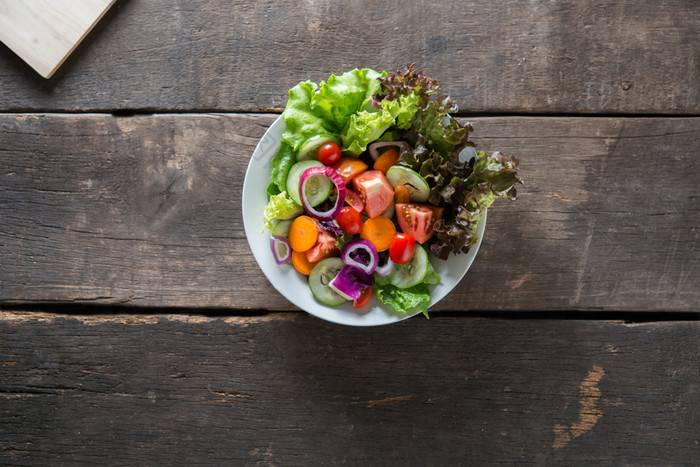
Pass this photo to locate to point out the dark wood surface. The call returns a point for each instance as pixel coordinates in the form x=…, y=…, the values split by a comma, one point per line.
x=146, y=211
x=503, y=57
x=289, y=389
x=136, y=328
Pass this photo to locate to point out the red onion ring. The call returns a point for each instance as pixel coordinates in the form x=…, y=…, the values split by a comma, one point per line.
x=357, y=246
x=281, y=250
x=383, y=270
x=339, y=185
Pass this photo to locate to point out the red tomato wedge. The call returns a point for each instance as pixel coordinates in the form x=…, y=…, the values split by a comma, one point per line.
x=364, y=297
x=418, y=219
x=353, y=199
x=325, y=247
x=375, y=190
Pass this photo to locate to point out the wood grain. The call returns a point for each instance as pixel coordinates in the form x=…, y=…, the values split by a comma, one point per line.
x=539, y=56
x=44, y=33
x=293, y=390
x=146, y=211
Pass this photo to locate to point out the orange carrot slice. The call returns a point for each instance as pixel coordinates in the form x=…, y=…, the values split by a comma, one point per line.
x=378, y=230
x=303, y=233
x=301, y=262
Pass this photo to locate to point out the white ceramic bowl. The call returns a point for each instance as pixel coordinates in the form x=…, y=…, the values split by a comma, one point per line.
x=292, y=285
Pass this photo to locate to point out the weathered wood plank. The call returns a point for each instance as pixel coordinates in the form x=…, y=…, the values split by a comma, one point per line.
x=146, y=211
x=293, y=390
x=508, y=56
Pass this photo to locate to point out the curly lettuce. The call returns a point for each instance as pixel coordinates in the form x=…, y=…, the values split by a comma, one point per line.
x=365, y=127
x=432, y=120
x=324, y=110
x=471, y=189
x=436, y=139
x=342, y=96
x=280, y=207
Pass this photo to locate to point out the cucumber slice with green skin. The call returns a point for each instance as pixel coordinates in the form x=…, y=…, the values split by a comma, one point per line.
x=407, y=275
x=282, y=228
x=417, y=186
x=308, y=151
x=321, y=274
x=318, y=189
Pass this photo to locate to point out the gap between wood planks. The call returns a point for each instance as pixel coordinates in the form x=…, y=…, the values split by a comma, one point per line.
x=496, y=113
x=95, y=314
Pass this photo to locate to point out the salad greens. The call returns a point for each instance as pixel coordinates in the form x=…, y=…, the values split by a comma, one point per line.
x=283, y=161
x=280, y=207
x=324, y=110
x=362, y=106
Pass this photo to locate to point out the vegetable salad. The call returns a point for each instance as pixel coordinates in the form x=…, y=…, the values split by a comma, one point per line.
x=374, y=180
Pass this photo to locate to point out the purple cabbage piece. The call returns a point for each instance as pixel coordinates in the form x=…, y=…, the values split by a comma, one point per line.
x=350, y=282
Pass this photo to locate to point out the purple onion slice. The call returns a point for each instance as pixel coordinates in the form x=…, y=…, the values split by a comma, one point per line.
x=361, y=254
x=281, y=250
x=333, y=212
x=350, y=282
x=383, y=270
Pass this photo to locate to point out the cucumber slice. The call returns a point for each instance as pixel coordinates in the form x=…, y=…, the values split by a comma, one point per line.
x=390, y=211
x=324, y=272
x=282, y=228
x=318, y=189
x=417, y=186
x=308, y=151
x=407, y=275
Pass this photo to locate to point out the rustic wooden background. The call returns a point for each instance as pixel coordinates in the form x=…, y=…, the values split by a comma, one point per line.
x=136, y=327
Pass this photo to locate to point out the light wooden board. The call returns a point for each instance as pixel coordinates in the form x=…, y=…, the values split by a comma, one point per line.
x=537, y=56
x=45, y=32
x=291, y=390
x=147, y=211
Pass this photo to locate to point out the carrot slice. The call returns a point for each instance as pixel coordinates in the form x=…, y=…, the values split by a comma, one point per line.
x=301, y=262
x=378, y=230
x=386, y=160
x=401, y=194
x=348, y=167
x=303, y=233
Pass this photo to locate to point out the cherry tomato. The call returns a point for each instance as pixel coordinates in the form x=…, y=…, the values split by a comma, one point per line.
x=364, y=297
x=328, y=154
x=349, y=220
x=402, y=248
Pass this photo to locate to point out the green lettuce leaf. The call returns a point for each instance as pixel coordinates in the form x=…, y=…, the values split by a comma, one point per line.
x=431, y=276
x=272, y=190
x=404, y=300
x=284, y=160
x=324, y=110
x=301, y=120
x=365, y=127
x=280, y=207
x=342, y=96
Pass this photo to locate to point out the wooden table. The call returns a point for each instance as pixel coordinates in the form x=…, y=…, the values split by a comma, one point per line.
x=136, y=327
